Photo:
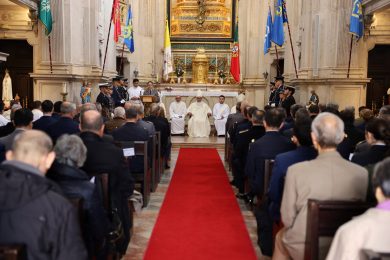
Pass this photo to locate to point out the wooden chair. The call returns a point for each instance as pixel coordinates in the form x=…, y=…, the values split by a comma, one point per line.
x=160, y=160
x=13, y=252
x=102, y=184
x=268, y=166
x=143, y=178
x=324, y=218
x=371, y=255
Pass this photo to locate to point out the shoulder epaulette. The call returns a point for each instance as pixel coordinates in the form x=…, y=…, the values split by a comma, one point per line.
x=243, y=131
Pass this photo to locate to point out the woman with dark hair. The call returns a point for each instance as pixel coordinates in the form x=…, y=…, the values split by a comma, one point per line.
x=371, y=230
x=378, y=137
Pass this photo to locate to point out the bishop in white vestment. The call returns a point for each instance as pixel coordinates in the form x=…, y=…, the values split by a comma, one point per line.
x=199, y=125
x=177, y=112
x=220, y=113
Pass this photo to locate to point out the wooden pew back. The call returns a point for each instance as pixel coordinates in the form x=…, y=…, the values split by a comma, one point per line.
x=13, y=252
x=325, y=217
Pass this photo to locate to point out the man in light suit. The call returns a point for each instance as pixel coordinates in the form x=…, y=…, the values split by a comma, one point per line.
x=328, y=177
x=370, y=230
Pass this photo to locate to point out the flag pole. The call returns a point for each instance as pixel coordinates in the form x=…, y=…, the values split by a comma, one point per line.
x=108, y=37
x=277, y=61
x=292, y=47
x=350, y=56
x=51, y=63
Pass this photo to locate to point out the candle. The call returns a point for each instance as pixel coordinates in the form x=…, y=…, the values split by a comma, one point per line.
x=216, y=63
x=64, y=89
x=157, y=77
x=185, y=61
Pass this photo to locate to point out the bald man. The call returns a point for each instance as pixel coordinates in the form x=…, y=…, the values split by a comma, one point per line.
x=32, y=211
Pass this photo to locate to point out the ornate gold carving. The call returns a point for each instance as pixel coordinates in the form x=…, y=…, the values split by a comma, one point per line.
x=200, y=67
x=193, y=27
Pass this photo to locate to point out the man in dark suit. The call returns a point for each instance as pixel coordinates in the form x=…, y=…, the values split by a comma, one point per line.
x=57, y=110
x=47, y=119
x=105, y=157
x=23, y=121
x=242, y=124
x=267, y=147
x=130, y=131
x=233, y=118
x=240, y=151
x=105, y=100
x=65, y=124
x=289, y=100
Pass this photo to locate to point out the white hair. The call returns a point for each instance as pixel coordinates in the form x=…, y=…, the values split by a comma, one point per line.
x=328, y=130
x=70, y=150
x=119, y=112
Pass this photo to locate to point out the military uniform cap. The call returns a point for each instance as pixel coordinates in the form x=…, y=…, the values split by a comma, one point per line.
x=104, y=85
x=279, y=78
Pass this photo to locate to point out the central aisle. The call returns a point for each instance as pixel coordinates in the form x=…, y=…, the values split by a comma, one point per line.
x=200, y=217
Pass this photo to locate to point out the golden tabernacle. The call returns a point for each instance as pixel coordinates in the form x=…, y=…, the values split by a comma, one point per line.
x=200, y=67
x=201, y=18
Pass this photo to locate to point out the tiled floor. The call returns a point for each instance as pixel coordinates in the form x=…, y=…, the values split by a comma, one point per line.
x=144, y=221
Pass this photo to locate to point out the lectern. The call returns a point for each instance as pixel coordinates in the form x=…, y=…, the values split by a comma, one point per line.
x=147, y=100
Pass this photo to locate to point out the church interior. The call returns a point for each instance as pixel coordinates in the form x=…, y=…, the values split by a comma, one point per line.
x=194, y=129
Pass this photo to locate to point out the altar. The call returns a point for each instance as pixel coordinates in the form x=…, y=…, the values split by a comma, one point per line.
x=189, y=96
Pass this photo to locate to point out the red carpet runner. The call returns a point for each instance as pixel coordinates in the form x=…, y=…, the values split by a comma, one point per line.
x=200, y=217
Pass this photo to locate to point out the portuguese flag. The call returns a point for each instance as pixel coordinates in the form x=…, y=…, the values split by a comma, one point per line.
x=235, y=62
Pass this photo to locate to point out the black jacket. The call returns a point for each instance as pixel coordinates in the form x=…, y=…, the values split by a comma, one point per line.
x=75, y=184
x=105, y=157
x=161, y=124
x=7, y=129
x=64, y=125
x=375, y=154
x=32, y=212
x=267, y=147
x=43, y=123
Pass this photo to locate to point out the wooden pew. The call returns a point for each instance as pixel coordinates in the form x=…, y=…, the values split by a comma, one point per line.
x=13, y=252
x=159, y=161
x=154, y=170
x=143, y=178
x=324, y=218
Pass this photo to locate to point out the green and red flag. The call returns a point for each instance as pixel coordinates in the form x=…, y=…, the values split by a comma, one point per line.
x=235, y=61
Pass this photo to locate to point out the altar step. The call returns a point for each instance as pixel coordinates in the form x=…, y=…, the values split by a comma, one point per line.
x=200, y=142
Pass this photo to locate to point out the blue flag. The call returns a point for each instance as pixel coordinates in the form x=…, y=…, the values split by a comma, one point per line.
x=284, y=11
x=356, y=26
x=268, y=32
x=128, y=34
x=277, y=32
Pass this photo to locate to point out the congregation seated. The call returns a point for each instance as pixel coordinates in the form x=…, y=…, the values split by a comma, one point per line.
x=47, y=118
x=3, y=120
x=32, y=211
x=143, y=122
x=36, y=109
x=234, y=118
x=105, y=157
x=289, y=123
x=65, y=124
x=244, y=124
x=71, y=154
x=221, y=112
x=130, y=132
x=371, y=230
x=57, y=110
x=117, y=121
x=22, y=120
x=328, y=177
x=304, y=152
x=267, y=147
x=378, y=137
x=240, y=150
x=314, y=110
x=10, y=127
x=162, y=125
x=177, y=112
x=354, y=134
x=366, y=116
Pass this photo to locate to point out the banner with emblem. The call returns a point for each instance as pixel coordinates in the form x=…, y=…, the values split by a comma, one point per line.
x=168, y=65
x=128, y=36
x=267, y=38
x=45, y=15
x=235, y=61
x=280, y=18
x=356, y=26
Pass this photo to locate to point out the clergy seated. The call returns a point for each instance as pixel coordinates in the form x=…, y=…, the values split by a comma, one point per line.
x=177, y=112
x=221, y=112
x=199, y=112
x=370, y=230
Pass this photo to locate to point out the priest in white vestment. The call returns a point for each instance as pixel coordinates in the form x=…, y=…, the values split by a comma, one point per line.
x=177, y=112
x=199, y=112
x=220, y=113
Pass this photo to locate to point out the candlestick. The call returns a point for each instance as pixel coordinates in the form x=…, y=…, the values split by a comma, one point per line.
x=64, y=89
x=185, y=61
x=157, y=77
